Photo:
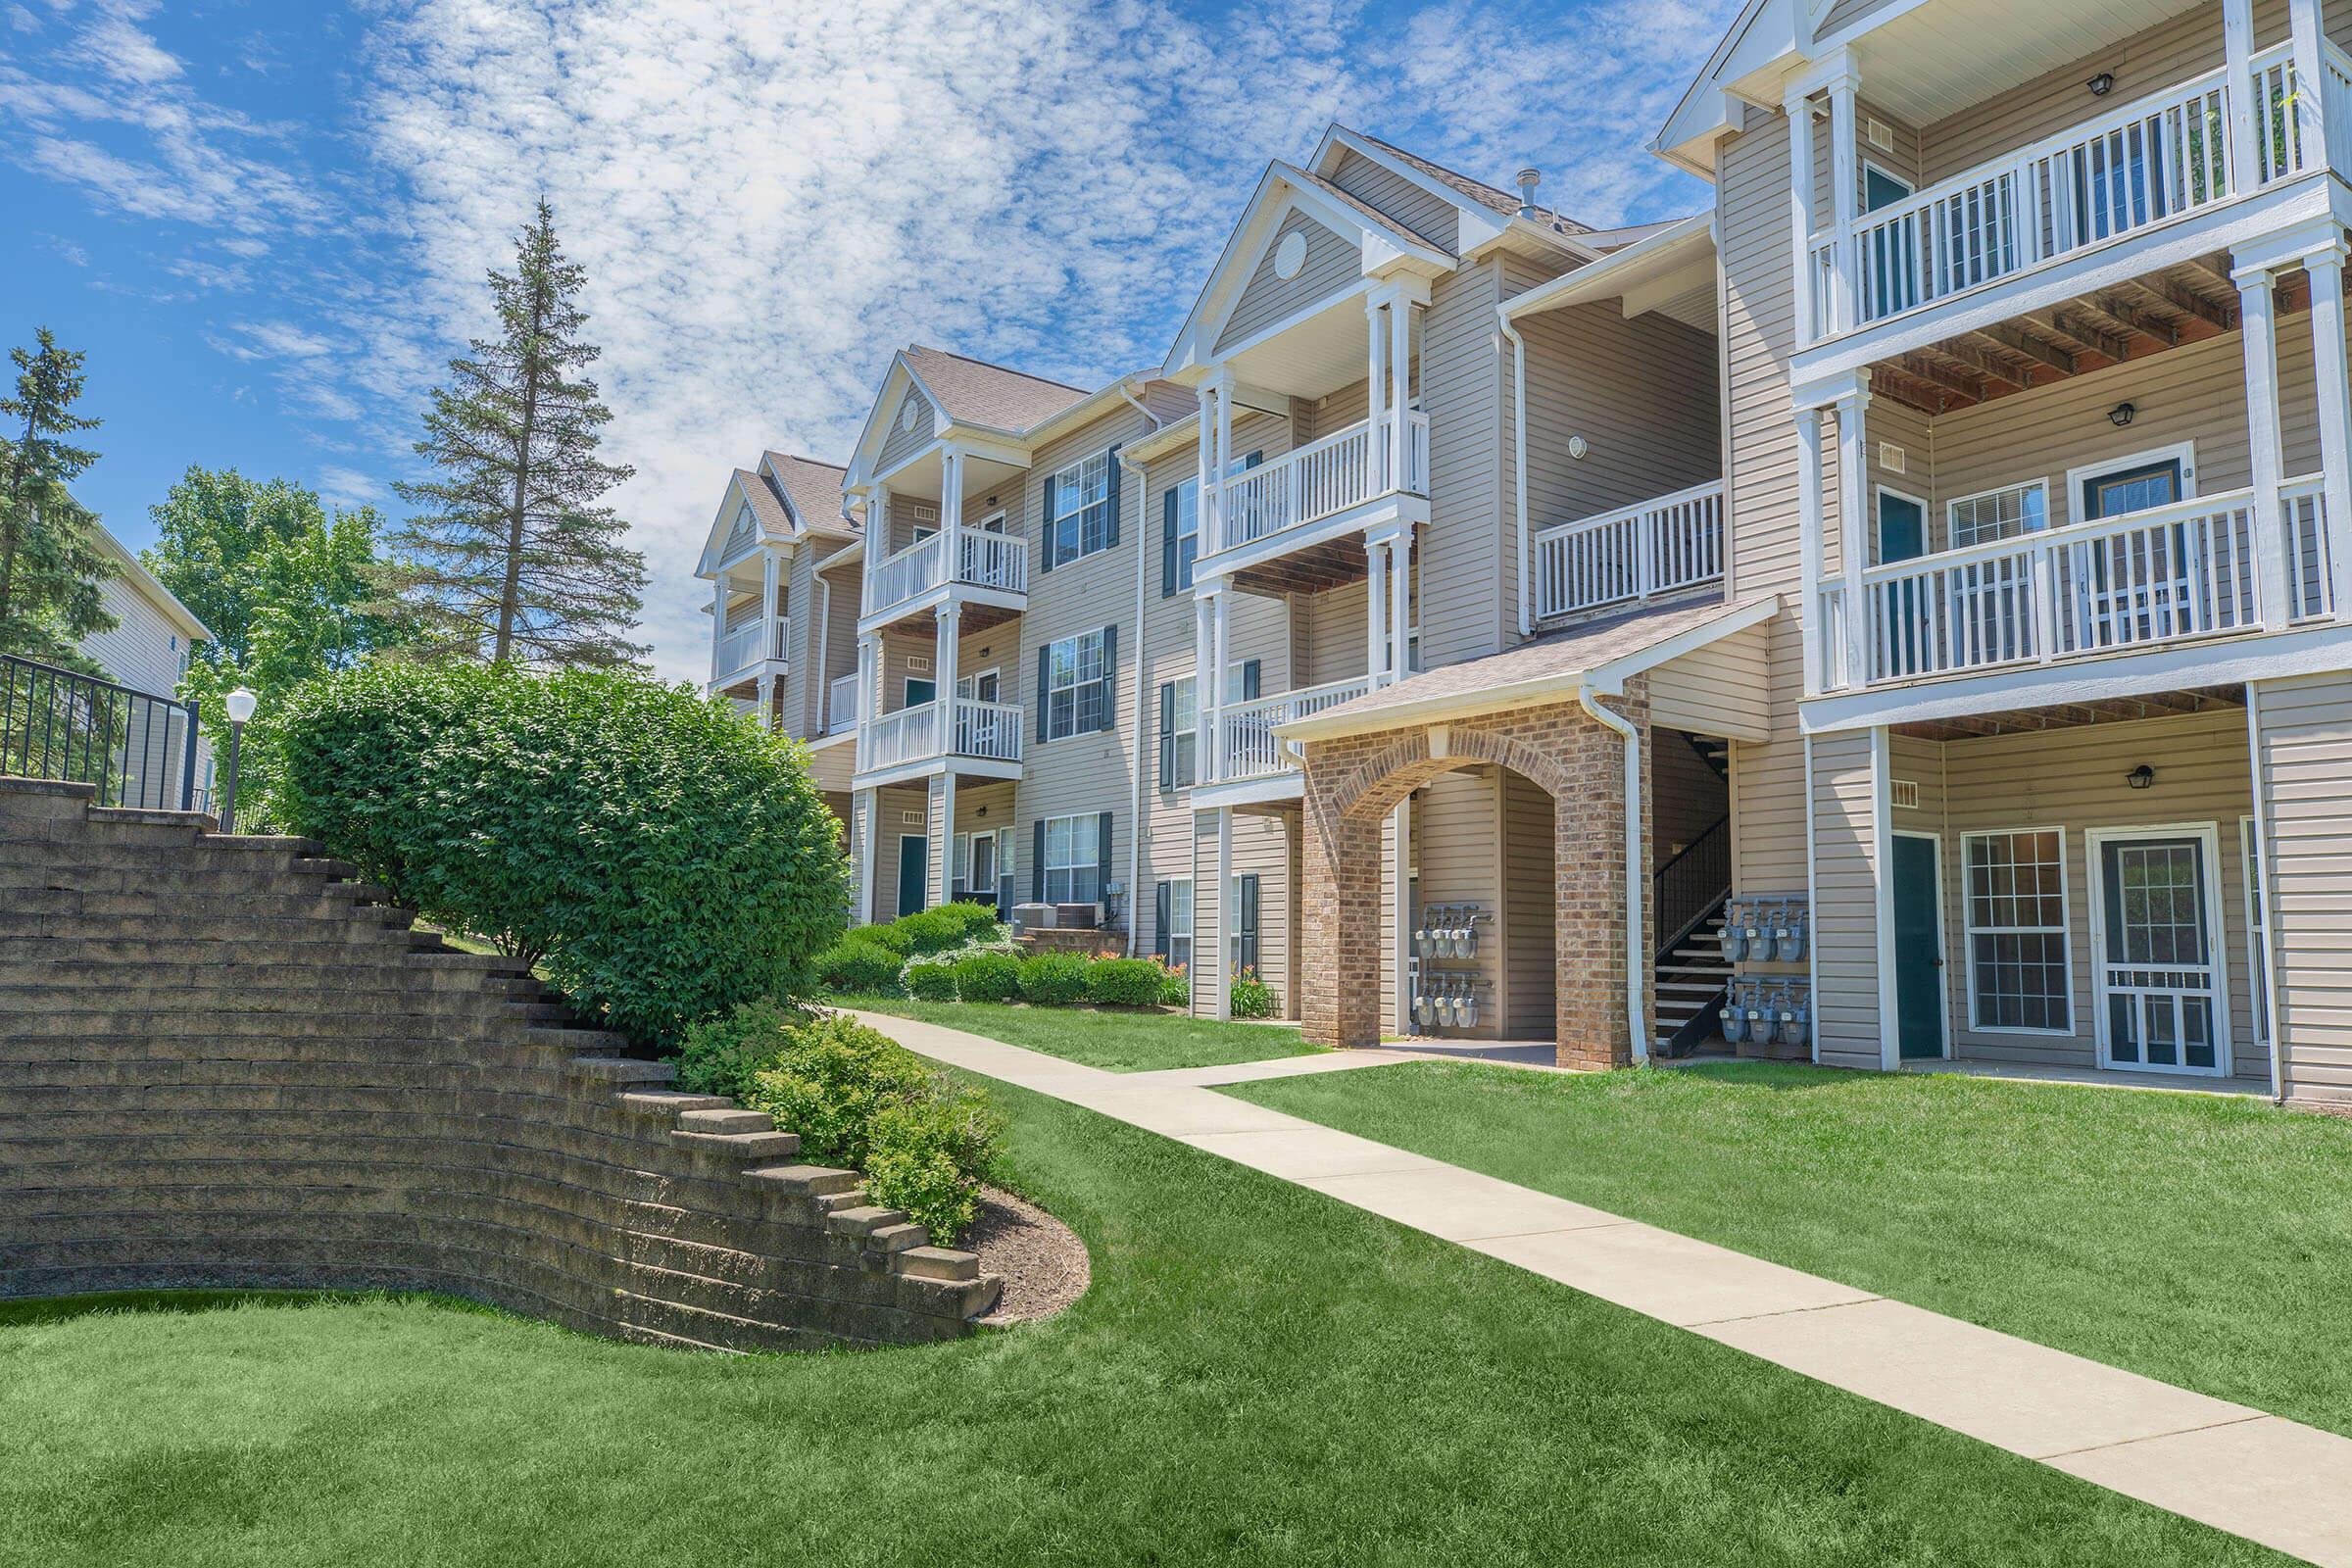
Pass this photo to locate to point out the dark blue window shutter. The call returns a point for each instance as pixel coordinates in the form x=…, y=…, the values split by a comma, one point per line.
x=1167, y=543
x=1167, y=735
x=1044, y=555
x=1109, y=716
x=1250, y=680
x=1246, y=925
x=1036, y=865
x=1159, y=926
x=1111, y=495
x=1103, y=856
x=1045, y=670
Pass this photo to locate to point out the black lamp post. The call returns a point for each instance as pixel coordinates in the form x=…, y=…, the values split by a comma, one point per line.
x=240, y=705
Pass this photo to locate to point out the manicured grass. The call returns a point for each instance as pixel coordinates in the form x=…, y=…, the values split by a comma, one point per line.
x=2198, y=1239
x=1260, y=1375
x=1118, y=1042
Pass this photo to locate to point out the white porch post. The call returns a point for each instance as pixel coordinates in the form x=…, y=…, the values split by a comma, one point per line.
x=942, y=878
x=950, y=514
x=869, y=695
x=768, y=702
x=1882, y=838
x=1799, y=108
x=1227, y=941
x=2311, y=75
x=1221, y=453
x=2237, y=48
x=1853, y=525
x=1401, y=917
x=719, y=627
x=1401, y=605
x=1376, y=389
x=1401, y=380
x=1845, y=199
x=951, y=633
x=1810, y=549
x=1376, y=603
x=1209, y=499
x=865, y=817
x=877, y=543
x=771, y=561
x=1220, y=653
x=2259, y=327
x=1208, y=762
x=2327, y=270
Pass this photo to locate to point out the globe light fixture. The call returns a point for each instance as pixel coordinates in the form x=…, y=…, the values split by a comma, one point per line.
x=240, y=705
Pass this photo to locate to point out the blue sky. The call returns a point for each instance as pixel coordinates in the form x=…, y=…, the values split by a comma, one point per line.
x=265, y=221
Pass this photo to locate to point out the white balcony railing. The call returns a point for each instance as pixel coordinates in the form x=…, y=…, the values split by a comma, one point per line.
x=1246, y=746
x=988, y=730
x=1652, y=547
x=745, y=645
x=2113, y=584
x=2130, y=168
x=983, y=559
x=1322, y=480
x=841, y=704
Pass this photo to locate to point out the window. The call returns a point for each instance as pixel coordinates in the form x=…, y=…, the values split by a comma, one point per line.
x=1077, y=685
x=1999, y=513
x=920, y=690
x=1080, y=509
x=1179, y=537
x=2018, y=974
x=2134, y=483
x=1176, y=921
x=1179, y=721
x=1073, y=860
x=2258, y=925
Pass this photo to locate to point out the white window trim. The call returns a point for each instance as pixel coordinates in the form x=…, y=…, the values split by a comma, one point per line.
x=1076, y=639
x=1878, y=519
x=973, y=680
x=1094, y=824
x=994, y=522
x=1969, y=932
x=2182, y=452
x=1181, y=734
x=1053, y=521
x=1191, y=922
x=1951, y=509
x=2223, y=1056
x=1871, y=166
x=2258, y=953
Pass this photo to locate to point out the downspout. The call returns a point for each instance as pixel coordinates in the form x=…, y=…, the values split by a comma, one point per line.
x=1527, y=621
x=2266, y=868
x=1637, y=962
x=1135, y=838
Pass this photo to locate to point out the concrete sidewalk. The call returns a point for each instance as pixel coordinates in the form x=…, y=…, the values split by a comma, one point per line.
x=2275, y=1482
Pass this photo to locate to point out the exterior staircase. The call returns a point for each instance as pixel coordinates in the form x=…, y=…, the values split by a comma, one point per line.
x=1688, y=982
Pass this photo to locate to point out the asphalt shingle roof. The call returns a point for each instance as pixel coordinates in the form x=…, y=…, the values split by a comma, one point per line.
x=815, y=488
x=975, y=392
x=1478, y=190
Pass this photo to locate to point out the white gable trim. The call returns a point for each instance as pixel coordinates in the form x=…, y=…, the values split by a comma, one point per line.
x=875, y=432
x=1768, y=36
x=723, y=527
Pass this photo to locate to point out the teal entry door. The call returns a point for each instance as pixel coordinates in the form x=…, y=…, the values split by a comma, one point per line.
x=914, y=871
x=1918, y=948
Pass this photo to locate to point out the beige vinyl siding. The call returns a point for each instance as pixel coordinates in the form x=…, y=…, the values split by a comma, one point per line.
x=1433, y=218
x=1332, y=265
x=803, y=683
x=1845, y=924
x=1462, y=610
x=2072, y=779
x=1721, y=689
x=1769, y=825
x=2305, y=726
x=902, y=443
x=142, y=650
x=1531, y=956
x=1457, y=839
x=840, y=624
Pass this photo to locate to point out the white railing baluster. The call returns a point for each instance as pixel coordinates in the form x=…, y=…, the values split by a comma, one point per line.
x=1247, y=745
x=1655, y=547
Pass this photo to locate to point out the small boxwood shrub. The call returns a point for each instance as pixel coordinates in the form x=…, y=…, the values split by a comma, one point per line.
x=725, y=1055
x=931, y=930
x=1175, y=987
x=988, y=977
x=976, y=922
x=927, y=1156
x=930, y=980
x=891, y=935
x=1251, y=998
x=1054, y=979
x=858, y=966
x=1124, y=982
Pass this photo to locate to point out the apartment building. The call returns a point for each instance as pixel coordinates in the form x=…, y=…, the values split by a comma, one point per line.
x=2036, y=368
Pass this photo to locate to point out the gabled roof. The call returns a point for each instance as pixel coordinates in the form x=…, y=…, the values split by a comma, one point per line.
x=976, y=392
x=1370, y=213
x=1491, y=198
x=1766, y=39
x=812, y=488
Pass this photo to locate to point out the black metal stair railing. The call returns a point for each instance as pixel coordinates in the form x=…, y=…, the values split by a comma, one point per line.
x=139, y=748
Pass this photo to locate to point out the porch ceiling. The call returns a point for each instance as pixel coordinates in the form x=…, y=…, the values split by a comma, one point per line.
x=1328, y=564
x=2130, y=321
x=2107, y=711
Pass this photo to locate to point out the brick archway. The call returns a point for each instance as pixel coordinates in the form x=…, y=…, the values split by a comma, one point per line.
x=1354, y=783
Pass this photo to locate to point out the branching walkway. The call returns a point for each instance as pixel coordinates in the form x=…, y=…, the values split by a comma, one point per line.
x=2271, y=1480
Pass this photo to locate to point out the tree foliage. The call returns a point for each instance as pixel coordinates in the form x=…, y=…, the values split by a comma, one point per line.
x=514, y=556
x=51, y=561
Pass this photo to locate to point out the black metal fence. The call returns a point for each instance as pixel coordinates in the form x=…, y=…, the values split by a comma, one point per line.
x=1686, y=888
x=139, y=748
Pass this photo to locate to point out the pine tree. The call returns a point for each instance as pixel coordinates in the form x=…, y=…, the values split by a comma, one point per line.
x=51, y=563
x=513, y=558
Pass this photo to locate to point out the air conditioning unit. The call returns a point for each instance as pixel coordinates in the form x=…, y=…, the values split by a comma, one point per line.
x=1027, y=918
x=1077, y=916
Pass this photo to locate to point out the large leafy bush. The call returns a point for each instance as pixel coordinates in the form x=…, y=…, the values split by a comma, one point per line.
x=1054, y=979
x=660, y=857
x=1124, y=982
x=726, y=1056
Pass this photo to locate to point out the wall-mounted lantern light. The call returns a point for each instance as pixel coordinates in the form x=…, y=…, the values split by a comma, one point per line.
x=2140, y=777
x=2101, y=84
x=2121, y=414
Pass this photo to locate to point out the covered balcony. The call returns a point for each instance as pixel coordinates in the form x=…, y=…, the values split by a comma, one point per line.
x=751, y=641
x=1248, y=753
x=962, y=735
x=1651, y=550
x=841, y=704
x=937, y=536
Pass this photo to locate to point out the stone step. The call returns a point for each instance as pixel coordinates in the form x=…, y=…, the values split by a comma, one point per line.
x=669, y=1101
x=724, y=1120
x=484, y=962
x=938, y=1263
x=628, y=1070
x=751, y=1147
x=581, y=1039
x=807, y=1181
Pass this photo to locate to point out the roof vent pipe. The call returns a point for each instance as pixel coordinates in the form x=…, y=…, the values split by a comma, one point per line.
x=1529, y=178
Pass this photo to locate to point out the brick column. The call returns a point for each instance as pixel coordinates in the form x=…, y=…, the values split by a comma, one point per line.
x=1589, y=909
x=1339, y=916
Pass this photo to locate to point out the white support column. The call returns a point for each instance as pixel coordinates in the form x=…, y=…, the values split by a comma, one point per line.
x=1208, y=762
x=1845, y=194
x=1207, y=499
x=1853, y=526
x=2328, y=360
x=943, y=871
x=1376, y=388
x=768, y=702
x=2303, y=29
x=1810, y=549
x=719, y=628
x=1220, y=653
x=866, y=816
x=877, y=543
x=950, y=514
x=942, y=668
x=1881, y=839
x=1401, y=379
x=1401, y=605
x=1799, y=108
x=1228, y=936
x=771, y=573
x=2237, y=48
x=869, y=695
x=1221, y=455
x=1376, y=606
x=2257, y=323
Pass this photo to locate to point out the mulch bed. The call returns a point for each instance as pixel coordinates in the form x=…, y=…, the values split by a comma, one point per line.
x=1040, y=1260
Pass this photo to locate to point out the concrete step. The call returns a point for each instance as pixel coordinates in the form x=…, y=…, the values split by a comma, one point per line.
x=938, y=1263
x=807, y=1181
x=751, y=1147
x=669, y=1101
x=726, y=1119
x=628, y=1070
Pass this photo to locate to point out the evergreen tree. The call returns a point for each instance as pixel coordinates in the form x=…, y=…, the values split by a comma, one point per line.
x=513, y=558
x=51, y=563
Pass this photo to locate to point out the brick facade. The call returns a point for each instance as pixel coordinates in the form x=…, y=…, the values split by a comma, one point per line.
x=1353, y=782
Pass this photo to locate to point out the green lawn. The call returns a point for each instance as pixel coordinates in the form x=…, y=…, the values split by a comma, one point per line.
x=1260, y=1375
x=1119, y=1042
x=2198, y=1239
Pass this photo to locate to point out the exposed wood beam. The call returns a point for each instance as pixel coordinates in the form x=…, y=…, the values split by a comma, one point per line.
x=1891, y=381
x=2003, y=336
x=2067, y=322
x=2131, y=317
x=1926, y=370
x=1985, y=364
x=2197, y=307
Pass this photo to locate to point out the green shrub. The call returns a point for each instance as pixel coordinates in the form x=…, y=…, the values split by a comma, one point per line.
x=859, y=967
x=1251, y=998
x=1054, y=979
x=988, y=977
x=930, y=980
x=725, y=1055
x=926, y=1157
x=889, y=936
x=1124, y=982
x=828, y=1081
x=658, y=856
x=1175, y=987
x=930, y=930
x=977, y=921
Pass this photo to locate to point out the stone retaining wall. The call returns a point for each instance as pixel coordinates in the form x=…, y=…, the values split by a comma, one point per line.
x=225, y=1063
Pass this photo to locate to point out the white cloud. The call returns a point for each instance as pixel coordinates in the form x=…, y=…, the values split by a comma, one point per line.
x=339, y=486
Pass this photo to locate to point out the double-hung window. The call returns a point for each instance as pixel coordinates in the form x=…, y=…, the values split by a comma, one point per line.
x=1999, y=513
x=1077, y=684
x=1079, y=503
x=1176, y=921
x=1073, y=860
x=2018, y=974
x=1180, y=533
x=1179, y=723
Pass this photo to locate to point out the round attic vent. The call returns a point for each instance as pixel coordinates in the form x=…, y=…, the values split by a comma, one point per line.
x=907, y=416
x=1289, y=255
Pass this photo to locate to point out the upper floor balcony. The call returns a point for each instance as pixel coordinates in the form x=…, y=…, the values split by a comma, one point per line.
x=990, y=569
x=759, y=644
x=1247, y=750
x=841, y=704
x=965, y=735
x=1649, y=550
x=1274, y=505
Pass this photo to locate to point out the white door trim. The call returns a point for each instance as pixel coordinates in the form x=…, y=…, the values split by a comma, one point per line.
x=2094, y=841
